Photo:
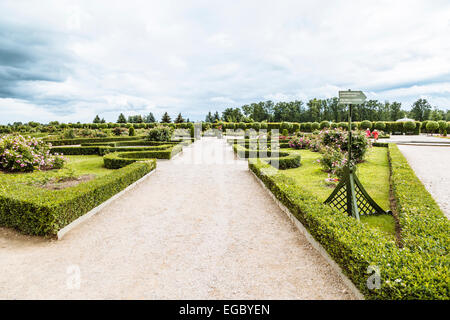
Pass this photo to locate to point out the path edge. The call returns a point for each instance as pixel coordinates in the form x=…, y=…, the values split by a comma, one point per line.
x=316, y=245
x=61, y=233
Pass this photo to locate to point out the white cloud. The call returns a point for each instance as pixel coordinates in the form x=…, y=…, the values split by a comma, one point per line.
x=190, y=57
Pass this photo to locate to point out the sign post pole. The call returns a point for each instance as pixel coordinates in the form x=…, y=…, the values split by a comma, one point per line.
x=349, y=195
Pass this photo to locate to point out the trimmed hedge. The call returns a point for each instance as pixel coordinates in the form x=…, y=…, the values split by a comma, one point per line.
x=38, y=211
x=406, y=273
x=419, y=270
x=120, y=159
x=102, y=150
x=68, y=142
x=283, y=143
x=424, y=226
x=76, y=151
x=283, y=160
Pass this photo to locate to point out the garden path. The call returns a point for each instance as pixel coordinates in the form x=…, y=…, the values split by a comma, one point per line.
x=200, y=227
x=431, y=165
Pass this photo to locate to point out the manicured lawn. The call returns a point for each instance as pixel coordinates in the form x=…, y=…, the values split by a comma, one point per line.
x=87, y=165
x=373, y=174
x=75, y=167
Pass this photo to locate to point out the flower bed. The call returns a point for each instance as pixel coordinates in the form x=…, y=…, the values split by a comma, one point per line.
x=419, y=270
x=19, y=154
x=39, y=211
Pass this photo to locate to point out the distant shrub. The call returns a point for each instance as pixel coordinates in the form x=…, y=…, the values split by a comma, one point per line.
x=118, y=131
x=131, y=132
x=343, y=125
x=324, y=124
x=315, y=126
x=380, y=125
x=366, y=124
x=432, y=126
x=442, y=126
x=160, y=133
x=409, y=126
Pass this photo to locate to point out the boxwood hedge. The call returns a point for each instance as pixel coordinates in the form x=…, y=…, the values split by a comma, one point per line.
x=283, y=160
x=418, y=270
x=119, y=159
x=68, y=142
x=39, y=211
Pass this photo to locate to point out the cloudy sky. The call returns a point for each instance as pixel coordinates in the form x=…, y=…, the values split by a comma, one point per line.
x=70, y=60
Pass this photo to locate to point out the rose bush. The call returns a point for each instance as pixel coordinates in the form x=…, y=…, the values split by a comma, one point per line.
x=20, y=154
x=338, y=139
x=299, y=143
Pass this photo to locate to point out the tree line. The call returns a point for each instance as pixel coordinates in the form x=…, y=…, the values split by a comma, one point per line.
x=317, y=110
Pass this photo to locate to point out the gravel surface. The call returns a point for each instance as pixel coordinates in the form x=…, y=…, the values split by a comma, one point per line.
x=201, y=227
x=431, y=165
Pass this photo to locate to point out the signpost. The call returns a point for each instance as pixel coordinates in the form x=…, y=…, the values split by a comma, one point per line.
x=349, y=195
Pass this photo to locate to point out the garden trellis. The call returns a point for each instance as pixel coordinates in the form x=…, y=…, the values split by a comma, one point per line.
x=349, y=195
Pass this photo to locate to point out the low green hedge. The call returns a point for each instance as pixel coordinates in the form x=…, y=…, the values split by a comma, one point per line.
x=38, y=211
x=119, y=159
x=425, y=228
x=280, y=159
x=68, y=142
x=140, y=142
x=102, y=150
x=76, y=151
x=405, y=273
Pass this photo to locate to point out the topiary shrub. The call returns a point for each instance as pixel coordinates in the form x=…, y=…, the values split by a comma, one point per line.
x=366, y=124
x=160, y=133
x=432, y=126
x=131, y=132
x=343, y=125
x=315, y=126
x=334, y=125
x=295, y=127
x=409, y=126
x=442, y=126
x=324, y=124
x=256, y=126
x=307, y=127
x=380, y=125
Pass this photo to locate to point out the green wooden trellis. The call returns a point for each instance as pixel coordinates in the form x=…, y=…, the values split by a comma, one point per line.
x=349, y=195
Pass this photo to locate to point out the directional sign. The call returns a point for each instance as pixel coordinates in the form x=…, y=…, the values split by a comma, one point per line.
x=351, y=97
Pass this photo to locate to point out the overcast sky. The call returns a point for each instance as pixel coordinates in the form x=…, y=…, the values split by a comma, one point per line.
x=70, y=60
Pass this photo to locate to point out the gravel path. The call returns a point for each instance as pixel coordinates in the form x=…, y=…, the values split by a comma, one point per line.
x=198, y=228
x=431, y=165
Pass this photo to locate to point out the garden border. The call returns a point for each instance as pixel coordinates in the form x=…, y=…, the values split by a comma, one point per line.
x=80, y=220
x=316, y=245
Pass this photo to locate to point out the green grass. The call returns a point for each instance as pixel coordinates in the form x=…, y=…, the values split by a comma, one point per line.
x=373, y=174
x=76, y=166
x=87, y=165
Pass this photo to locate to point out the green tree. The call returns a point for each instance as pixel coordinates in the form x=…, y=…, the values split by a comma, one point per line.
x=96, y=119
x=179, y=119
x=395, y=111
x=420, y=110
x=166, y=118
x=150, y=118
x=121, y=119
x=209, y=117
